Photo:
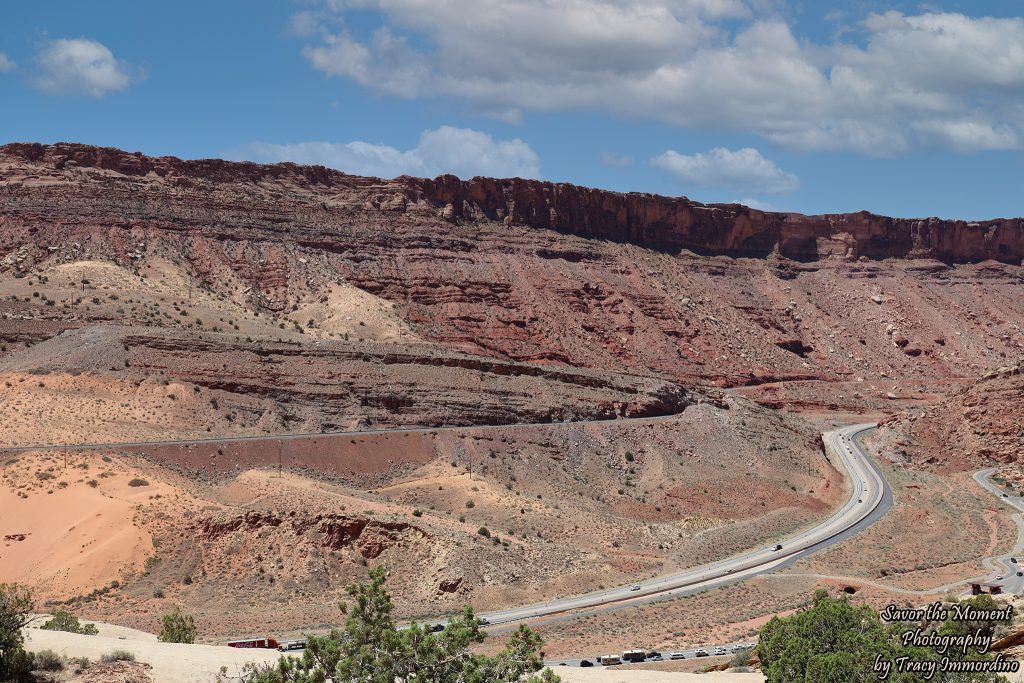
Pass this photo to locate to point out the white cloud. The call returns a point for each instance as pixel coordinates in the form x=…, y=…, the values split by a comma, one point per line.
x=742, y=169
x=460, y=151
x=755, y=204
x=80, y=66
x=615, y=160
x=904, y=80
x=6, y=63
x=968, y=136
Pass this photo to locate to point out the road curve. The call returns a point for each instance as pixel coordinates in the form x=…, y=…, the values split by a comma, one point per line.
x=870, y=497
x=1007, y=565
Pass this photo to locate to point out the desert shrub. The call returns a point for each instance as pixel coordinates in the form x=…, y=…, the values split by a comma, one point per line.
x=138, y=482
x=118, y=656
x=741, y=658
x=66, y=621
x=470, y=504
x=48, y=660
x=484, y=531
x=417, y=513
x=178, y=628
x=81, y=664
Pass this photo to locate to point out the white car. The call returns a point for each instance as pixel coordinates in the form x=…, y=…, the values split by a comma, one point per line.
x=719, y=650
x=700, y=652
x=677, y=655
x=635, y=587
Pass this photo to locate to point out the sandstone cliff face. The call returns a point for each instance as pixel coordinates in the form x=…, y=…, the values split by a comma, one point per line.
x=666, y=223
x=677, y=223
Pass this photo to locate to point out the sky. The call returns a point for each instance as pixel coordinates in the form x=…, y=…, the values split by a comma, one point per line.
x=904, y=109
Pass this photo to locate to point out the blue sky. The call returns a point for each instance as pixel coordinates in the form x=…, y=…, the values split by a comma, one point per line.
x=906, y=109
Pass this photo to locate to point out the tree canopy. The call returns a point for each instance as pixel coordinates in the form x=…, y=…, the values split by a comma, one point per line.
x=835, y=642
x=15, y=614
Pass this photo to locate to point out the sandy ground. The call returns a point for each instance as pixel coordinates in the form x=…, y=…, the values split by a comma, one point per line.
x=71, y=539
x=176, y=663
x=172, y=662
x=595, y=675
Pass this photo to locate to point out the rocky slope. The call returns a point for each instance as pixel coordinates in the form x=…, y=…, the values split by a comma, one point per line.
x=520, y=270
x=980, y=426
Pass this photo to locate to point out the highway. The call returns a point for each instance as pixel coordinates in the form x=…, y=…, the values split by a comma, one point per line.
x=1007, y=566
x=870, y=497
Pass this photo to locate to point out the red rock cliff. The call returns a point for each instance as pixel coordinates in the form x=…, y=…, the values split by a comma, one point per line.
x=664, y=223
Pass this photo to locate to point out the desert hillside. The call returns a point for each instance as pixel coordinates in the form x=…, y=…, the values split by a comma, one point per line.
x=981, y=425
x=502, y=391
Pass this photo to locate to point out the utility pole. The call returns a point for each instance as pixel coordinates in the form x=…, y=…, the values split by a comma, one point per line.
x=280, y=443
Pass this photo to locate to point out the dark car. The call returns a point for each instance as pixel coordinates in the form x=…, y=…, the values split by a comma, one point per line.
x=1013, y=559
x=586, y=662
x=653, y=654
x=437, y=627
x=1020, y=573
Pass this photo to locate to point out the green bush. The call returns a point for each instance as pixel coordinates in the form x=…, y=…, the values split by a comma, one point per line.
x=138, y=482
x=48, y=660
x=178, y=628
x=118, y=656
x=66, y=621
x=484, y=531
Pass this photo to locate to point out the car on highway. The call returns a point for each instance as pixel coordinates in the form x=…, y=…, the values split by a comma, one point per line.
x=739, y=646
x=483, y=621
x=1000, y=577
x=437, y=628
x=609, y=660
x=777, y=546
x=653, y=653
x=655, y=658
x=1013, y=560
x=677, y=655
x=700, y=652
x=586, y=662
x=1020, y=573
x=635, y=587
x=719, y=651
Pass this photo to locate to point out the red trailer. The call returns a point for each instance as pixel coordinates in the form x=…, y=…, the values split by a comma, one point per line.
x=268, y=643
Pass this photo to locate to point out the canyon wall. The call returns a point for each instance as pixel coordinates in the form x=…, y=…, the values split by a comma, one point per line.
x=653, y=221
